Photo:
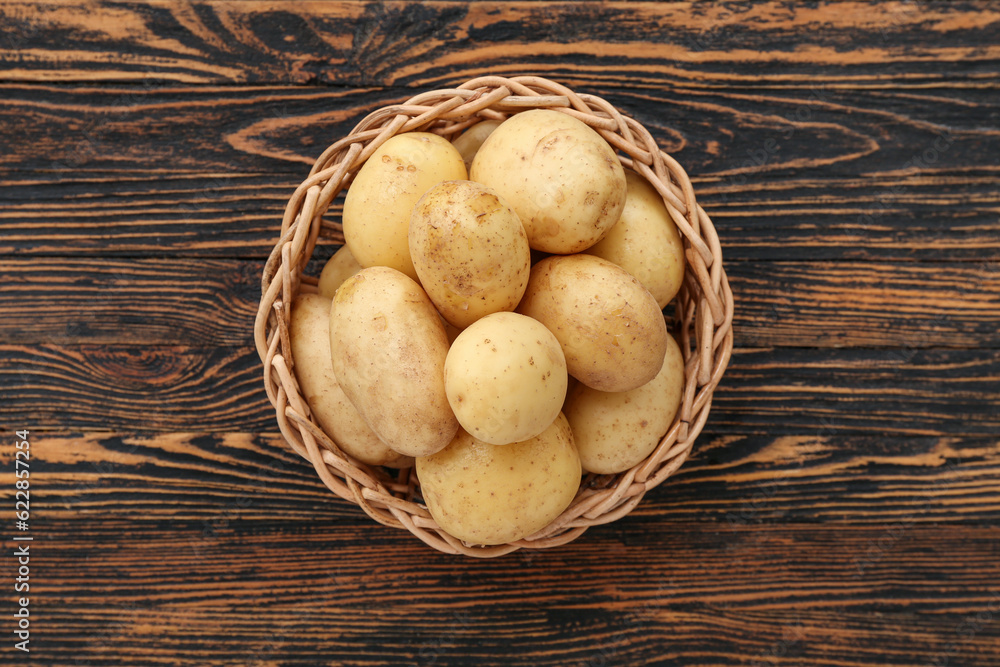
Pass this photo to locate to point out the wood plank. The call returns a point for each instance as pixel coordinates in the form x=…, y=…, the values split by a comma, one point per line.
x=882, y=392
x=144, y=215
x=733, y=137
x=737, y=481
x=773, y=391
x=214, y=301
x=639, y=593
x=866, y=304
x=373, y=43
x=143, y=302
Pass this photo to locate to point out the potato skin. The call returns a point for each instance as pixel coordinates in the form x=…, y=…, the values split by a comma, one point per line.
x=609, y=326
x=469, y=142
x=337, y=269
x=470, y=251
x=505, y=377
x=379, y=200
x=562, y=178
x=484, y=494
x=310, y=338
x=645, y=241
x=388, y=347
x=614, y=431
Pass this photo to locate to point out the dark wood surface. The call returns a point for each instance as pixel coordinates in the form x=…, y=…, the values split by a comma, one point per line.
x=841, y=508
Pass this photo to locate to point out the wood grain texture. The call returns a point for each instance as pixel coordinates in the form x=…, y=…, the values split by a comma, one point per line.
x=736, y=481
x=144, y=302
x=772, y=391
x=734, y=138
x=303, y=592
x=421, y=44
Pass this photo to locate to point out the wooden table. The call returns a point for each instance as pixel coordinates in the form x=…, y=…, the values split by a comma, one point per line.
x=842, y=506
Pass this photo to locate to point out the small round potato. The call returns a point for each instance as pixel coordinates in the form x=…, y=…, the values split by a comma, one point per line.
x=310, y=337
x=561, y=177
x=388, y=347
x=470, y=251
x=379, y=201
x=645, y=242
x=505, y=378
x=610, y=328
x=468, y=142
x=488, y=495
x=339, y=268
x=614, y=431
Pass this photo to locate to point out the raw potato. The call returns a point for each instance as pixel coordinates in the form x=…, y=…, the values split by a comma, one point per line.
x=610, y=327
x=310, y=337
x=645, y=242
x=615, y=431
x=470, y=251
x=468, y=142
x=563, y=179
x=505, y=377
x=379, y=201
x=388, y=346
x=484, y=494
x=339, y=268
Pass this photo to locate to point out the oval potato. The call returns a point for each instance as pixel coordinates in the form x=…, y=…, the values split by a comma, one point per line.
x=505, y=377
x=484, y=494
x=561, y=177
x=309, y=331
x=388, y=346
x=609, y=326
x=380, y=199
x=614, y=431
x=338, y=268
x=645, y=241
x=469, y=250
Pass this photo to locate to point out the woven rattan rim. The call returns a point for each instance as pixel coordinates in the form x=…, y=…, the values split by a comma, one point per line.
x=702, y=320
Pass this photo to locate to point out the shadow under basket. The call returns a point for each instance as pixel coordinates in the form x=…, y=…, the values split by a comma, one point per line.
x=702, y=312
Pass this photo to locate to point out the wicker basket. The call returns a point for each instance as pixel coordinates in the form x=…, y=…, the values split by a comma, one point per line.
x=702, y=318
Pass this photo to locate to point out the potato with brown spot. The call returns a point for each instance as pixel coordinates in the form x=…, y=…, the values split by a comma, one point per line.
x=484, y=494
x=388, y=346
x=380, y=199
x=561, y=177
x=615, y=431
x=609, y=326
x=470, y=251
x=310, y=338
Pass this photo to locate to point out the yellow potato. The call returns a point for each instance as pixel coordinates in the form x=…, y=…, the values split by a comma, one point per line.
x=505, y=377
x=561, y=177
x=645, y=242
x=609, y=326
x=614, y=431
x=379, y=201
x=484, y=494
x=468, y=142
x=339, y=268
x=388, y=347
x=470, y=251
x=310, y=337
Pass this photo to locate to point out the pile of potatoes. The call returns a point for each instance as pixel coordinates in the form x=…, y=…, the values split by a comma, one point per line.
x=495, y=319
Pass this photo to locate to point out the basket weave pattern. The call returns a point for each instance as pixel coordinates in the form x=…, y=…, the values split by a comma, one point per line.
x=702, y=318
